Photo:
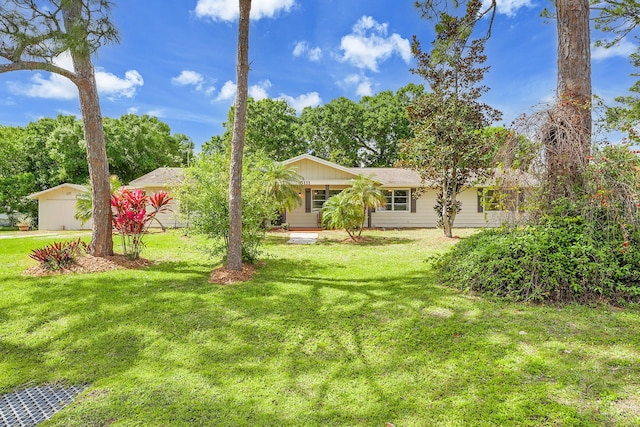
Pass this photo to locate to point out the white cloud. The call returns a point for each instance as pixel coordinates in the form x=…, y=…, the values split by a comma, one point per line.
x=227, y=92
x=508, y=7
x=624, y=48
x=115, y=87
x=353, y=79
x=364, y=89
x=159, y=113
x=302, y=48
x=54, y=86
x=187, y=78
x=257, y=92
x=315, y=54
x=363, y=85
x=311, y=99
x=228, y=10
x=195, y=79
x=49, y=86
x=368, y=45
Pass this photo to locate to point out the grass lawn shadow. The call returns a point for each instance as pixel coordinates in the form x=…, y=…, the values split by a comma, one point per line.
x=325, y=334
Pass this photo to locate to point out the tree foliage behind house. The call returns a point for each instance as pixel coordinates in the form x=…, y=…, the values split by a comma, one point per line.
x=364, y=133
x=51, y=151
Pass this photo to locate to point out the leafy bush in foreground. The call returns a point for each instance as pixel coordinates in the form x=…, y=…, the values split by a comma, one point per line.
x=58, y=255
x=559, y=259
x=204, y=196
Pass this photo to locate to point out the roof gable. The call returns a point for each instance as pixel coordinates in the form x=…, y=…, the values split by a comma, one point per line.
x=76, y=187
x=316, y=171
x=320, y=161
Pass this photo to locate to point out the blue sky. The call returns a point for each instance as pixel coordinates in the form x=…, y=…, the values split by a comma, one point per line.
x=176, y=60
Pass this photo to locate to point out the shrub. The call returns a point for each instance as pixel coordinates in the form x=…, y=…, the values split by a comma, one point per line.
x=204, y=197
x=582, y=247
x=343, y=213
x=58, y=255
x=560, y=260
x=132, y=219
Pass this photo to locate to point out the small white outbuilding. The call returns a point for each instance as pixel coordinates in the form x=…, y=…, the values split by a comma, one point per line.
x=57, y=207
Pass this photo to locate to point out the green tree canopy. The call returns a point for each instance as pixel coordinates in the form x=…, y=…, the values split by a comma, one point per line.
x=350, y=133
x=364, y=133
x=137, y=145
x=53, y=150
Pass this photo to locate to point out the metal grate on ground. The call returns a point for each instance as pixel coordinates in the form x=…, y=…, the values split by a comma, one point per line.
x=30, y=406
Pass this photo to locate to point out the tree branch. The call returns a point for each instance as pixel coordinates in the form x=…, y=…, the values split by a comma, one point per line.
x=36, y=65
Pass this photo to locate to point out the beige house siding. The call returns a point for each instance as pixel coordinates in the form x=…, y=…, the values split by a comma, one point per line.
x=424, y=216
x=301, y=219
x=56, y=210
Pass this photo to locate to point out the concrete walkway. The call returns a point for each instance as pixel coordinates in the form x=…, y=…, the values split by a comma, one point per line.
x=23, y=234
x=299, y=238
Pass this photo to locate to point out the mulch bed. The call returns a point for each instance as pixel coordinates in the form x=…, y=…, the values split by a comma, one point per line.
x=91, y=264
x=223, y=276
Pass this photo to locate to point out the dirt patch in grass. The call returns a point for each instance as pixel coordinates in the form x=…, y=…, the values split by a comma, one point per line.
x=629, y=406
x=224, y=276
x=91, y=264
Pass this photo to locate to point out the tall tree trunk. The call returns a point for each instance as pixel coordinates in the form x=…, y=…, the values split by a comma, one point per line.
x=234, y=250
x=101, y=235
x=569, y=132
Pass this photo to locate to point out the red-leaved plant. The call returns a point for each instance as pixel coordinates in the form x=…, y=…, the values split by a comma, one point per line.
x=58, y=255
x=131, y=218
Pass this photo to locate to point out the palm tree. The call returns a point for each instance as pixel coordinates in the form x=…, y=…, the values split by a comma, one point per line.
x=283, y=184
x=84, y=201
x=367, y=194
x=341, y=212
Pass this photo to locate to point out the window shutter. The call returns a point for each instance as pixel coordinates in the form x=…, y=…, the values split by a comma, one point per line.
x=307, y=200
x=414, y=202
x=480, y=194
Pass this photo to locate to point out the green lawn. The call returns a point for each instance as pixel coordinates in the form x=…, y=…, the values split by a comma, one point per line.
x=326, y=334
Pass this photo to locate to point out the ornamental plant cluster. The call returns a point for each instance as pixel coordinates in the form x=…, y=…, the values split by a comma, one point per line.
x=58, y=255
x=585, y=249
x=131, y=216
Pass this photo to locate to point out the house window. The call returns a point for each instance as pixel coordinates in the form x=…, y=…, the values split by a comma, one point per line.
x=397, y=200
x=500, y=200
x=318, y=197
